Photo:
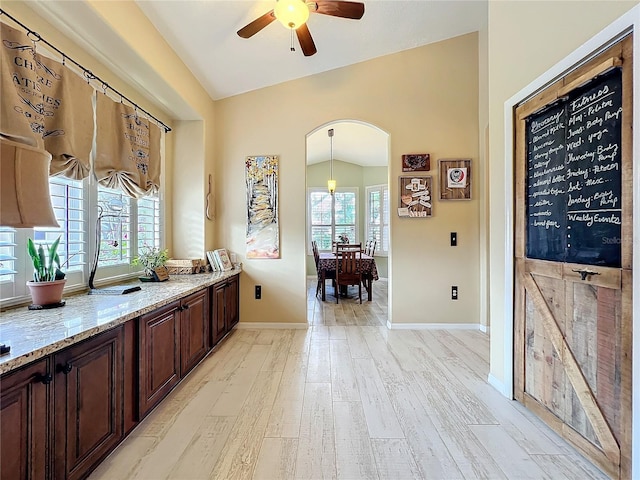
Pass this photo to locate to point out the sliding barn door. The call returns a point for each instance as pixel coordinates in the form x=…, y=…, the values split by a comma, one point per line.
x=573, y=244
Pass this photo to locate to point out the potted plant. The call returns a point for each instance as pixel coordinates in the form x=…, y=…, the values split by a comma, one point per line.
x=48, y=280
x=150, y=258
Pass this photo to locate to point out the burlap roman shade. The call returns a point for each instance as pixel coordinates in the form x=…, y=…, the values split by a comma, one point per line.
x=127, y=149
x=45, y=104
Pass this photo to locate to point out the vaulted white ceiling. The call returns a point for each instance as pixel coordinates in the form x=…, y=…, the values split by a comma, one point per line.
x=203, y=33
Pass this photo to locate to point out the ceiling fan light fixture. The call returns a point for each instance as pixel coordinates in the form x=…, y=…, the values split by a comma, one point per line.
x=291, y=13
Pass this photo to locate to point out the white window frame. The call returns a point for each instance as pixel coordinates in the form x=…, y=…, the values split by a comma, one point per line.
x=380, y=250
x=356, y=193
x=15, y=291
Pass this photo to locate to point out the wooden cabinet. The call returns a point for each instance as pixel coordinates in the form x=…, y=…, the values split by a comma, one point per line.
x=194, y=330
x=159, y=357
x=24, y=435
x=61, y=415
x=88, y=398
x=224, y=308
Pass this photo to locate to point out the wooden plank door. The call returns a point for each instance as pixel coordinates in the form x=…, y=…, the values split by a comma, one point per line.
x=572, y=335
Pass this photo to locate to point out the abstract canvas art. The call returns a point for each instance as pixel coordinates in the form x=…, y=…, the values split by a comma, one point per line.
x=263, y=236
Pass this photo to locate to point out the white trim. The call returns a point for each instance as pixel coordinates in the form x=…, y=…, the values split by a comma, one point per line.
x=268, y=325
x=433, y=326
x=499, y=386
x=630, y=20
x=485, y=329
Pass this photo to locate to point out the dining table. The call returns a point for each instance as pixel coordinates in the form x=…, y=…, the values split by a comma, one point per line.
x=327, y=269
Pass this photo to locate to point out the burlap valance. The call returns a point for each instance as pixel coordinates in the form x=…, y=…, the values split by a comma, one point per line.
x=127, y=149
x=44, y=104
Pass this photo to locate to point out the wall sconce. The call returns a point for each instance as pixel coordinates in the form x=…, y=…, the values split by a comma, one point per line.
x=24, y=186
x=331, y=183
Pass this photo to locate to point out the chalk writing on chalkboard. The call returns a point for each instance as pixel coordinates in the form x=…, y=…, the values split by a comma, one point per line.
x=574, y=204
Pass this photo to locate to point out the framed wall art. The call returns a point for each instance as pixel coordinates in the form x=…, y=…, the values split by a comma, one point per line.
x=455, y=179
x=416, y=197
x=416, y=162
x=263, y=232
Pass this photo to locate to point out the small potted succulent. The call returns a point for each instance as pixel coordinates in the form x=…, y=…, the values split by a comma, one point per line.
x=48, y=280
x=150, y=258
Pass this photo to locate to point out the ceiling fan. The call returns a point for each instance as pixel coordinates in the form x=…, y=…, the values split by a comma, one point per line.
x=293, y=14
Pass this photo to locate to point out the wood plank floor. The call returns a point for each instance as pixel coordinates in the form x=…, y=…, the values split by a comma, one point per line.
x=345, y=399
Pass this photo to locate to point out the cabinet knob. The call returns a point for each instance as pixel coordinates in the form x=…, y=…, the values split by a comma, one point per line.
x=186, y=307
x=66, y=368
x=46, y=378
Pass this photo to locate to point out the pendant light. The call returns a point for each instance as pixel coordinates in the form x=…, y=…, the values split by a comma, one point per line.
x=331, y=183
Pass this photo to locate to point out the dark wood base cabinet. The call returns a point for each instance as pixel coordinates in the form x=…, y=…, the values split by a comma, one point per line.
x=88, y=403
x=60, y=416
x=224, y=308
x=24, y=433
x=194, y=330
x=159, y=356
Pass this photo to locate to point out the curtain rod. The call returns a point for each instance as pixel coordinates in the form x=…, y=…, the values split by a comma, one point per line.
x=35, y=37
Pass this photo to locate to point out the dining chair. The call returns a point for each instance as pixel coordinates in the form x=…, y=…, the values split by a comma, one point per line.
x=370, y=248
x=348, y=270
x=353, y=247
x=316, y=258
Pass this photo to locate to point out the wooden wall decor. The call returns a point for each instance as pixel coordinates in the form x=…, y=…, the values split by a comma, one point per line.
x=416, y=197
x=573, y=243
x=455, y=179
x=416, y=162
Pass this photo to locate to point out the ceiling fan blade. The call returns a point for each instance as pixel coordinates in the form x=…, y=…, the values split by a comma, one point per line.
x=258, y=24
x=353, y=10
x=306, y=42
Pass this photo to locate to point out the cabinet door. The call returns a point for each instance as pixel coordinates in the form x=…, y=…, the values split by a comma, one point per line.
x=232, y=303
x=88, y=403
x=159, y=363
x=219, y=326
x=194, y=330
x=23, y=416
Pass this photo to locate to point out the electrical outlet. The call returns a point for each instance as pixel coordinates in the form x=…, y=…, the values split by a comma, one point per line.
x=258, y=292
x=454, y=239
x=454, y=292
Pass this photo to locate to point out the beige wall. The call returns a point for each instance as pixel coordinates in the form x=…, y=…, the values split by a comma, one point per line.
x=526, y=38
x=426, y=99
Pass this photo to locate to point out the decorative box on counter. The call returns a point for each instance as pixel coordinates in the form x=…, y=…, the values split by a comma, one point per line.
x=185, y=267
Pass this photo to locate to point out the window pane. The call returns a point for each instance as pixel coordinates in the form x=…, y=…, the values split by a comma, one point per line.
x=67, y=200
x=149, y=222
x=7, y=254
x=115, y=226
x=322, y=235
x=320, y=208
x=345, y=208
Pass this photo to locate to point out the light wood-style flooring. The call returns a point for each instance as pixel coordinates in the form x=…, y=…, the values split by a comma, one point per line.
x=345, y=399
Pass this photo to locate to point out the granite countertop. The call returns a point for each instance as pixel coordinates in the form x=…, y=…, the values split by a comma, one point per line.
x=33, y=334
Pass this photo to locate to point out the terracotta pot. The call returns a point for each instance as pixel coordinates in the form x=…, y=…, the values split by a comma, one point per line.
x=46, y=293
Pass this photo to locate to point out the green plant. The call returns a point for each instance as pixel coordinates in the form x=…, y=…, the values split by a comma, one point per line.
x=150, y=258
x=46, y=266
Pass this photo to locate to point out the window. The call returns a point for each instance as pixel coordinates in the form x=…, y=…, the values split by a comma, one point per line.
x=377, y=226
x=331, y=216
x=126, y=224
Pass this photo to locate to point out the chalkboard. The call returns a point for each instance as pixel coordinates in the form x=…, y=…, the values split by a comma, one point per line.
x=574, y=187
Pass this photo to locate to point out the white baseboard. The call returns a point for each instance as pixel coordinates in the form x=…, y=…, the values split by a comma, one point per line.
x=484, y=329
x=279, y=326
x=498, y=385
x=433, y=326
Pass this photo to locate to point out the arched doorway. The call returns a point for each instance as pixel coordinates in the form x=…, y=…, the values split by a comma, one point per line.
x=356, y=155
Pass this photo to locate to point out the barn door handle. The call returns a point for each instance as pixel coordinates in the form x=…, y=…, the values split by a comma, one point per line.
x=585, y=273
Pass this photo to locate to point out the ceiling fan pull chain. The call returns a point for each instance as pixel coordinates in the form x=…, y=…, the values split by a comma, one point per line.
x=291, y=40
